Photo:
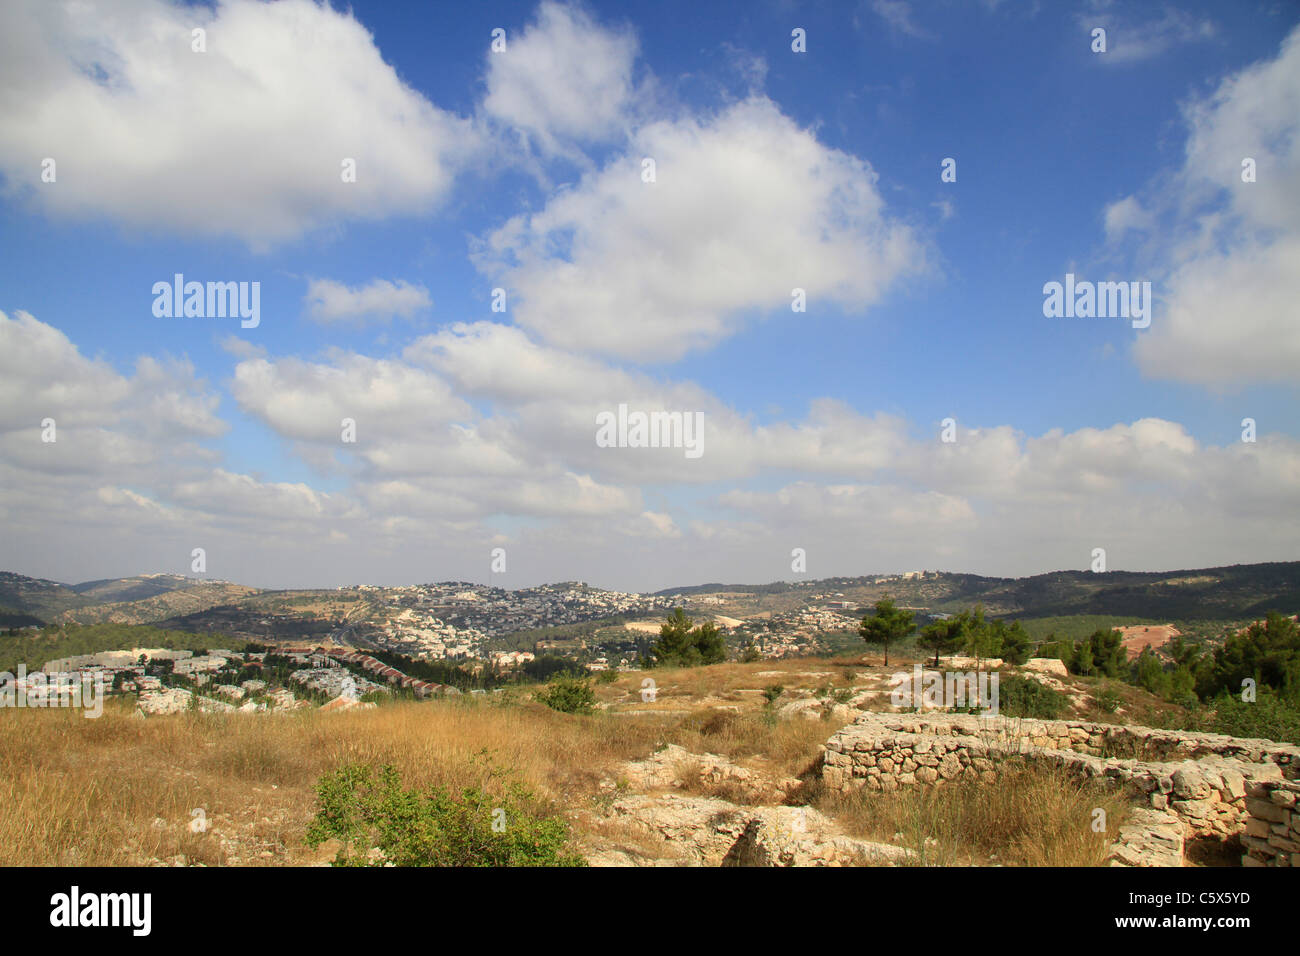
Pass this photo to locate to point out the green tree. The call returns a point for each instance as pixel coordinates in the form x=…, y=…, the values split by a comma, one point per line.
x=1109, y=655
x=1268, y=651
x=944, y=636
x=1015, y=643
x=888, y=626
x=1082, y=662
x=683, y=645
x=983, y=637
x=1149, y=673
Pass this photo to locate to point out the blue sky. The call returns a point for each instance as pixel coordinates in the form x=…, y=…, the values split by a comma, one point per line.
x=520, y=169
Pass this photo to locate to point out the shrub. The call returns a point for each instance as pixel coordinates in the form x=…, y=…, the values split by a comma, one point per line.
x=1024, y=697
x=568, y=694
x=1269, y=717
x=434, y=828
x=1108, y=700
x=772, y=692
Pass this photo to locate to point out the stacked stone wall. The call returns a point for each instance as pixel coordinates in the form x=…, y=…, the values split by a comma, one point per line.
x=1198, y=781
x=1272, y=830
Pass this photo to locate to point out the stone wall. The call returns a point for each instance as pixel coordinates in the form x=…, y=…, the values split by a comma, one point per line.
x=1272, y=836
x=1197, y=780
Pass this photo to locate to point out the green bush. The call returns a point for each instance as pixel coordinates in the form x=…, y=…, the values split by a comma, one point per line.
x=1023, y=697
x=568, y=694
x=1269, y=717
x=1108, y=699
x=409, y=828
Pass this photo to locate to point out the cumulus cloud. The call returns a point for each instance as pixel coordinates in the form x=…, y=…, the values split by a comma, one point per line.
x=452, y=448
x=44, y=375
x=307, y=401
x=329, y=301
x=246, y=139
x=1230, y=249
x=565, y=80
x=746, y=207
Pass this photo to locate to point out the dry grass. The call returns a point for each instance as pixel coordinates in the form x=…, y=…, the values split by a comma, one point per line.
x=1031, y=817
x=119, y=790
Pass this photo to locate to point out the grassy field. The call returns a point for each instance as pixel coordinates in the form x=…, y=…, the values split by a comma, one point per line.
x=122, y=790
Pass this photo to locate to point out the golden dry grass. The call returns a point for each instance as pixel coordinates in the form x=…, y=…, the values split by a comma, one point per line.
x=1030, y=817
x=119, y=790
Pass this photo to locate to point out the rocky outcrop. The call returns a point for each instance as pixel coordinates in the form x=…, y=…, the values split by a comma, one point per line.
x=677, y=768
x=801, y=836
x=1047, y=665
x=705, y=831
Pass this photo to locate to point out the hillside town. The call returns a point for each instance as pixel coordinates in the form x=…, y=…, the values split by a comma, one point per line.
x=222, y=681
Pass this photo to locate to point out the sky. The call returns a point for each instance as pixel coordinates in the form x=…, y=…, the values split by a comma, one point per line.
x=825, y=232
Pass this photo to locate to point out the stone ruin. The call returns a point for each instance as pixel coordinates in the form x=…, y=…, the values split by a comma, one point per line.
x=1187, y=787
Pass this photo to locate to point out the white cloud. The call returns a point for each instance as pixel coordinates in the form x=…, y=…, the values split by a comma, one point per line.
x=1229, y=319
x=1230, y=250
x=307, y=401
x=747, y=206
x=564, y=80
x=244, y=140
x=44, y=375
x=228, y=494
x=1128, y=41
x=1124, y=215
x=478, y=425
x=330, y=301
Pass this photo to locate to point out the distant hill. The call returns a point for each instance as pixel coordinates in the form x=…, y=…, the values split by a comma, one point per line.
x=11, y=618
x=37, y=597
x=132, y=589
x=160, y=607
x=1226, y=593
x=142, y=599
x=1237, y=592
x=776, y=587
